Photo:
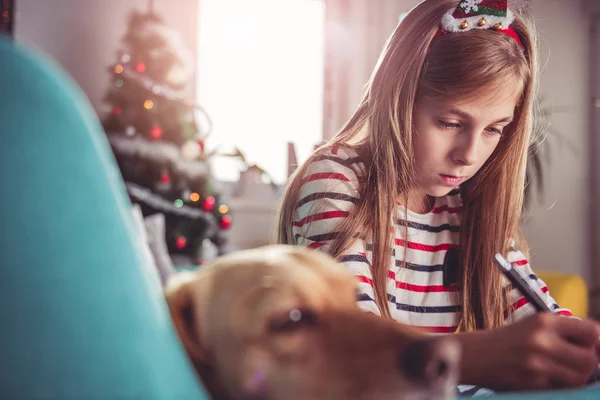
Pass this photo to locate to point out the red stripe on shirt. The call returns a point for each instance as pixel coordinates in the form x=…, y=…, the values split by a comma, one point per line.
x=520, y=263
x=321, y=216
x=450, y=210
x=518, y=304
x=424, y=247
x=325, y=175
x=425, y=289
x=437, y=329
x=364, y=279
x=522, y=301
x=411, y=287
x=316, y=245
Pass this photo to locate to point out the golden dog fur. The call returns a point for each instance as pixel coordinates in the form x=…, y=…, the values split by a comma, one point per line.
x=282, y=323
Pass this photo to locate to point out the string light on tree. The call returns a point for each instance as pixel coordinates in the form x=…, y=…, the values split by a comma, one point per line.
x=140, y=67
x=119, y=83
x=117, y=111
x=226, y=221
x=194, y=197
x=125, y=58
x=178, y=203
x=209, y=203
x=118, y=69
x=148, y=104
x=181, y=242
x=165, y=178
x=223, y=209
x=156, y=132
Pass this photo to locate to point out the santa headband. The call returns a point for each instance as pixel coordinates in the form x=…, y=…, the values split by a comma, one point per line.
x=479, y=14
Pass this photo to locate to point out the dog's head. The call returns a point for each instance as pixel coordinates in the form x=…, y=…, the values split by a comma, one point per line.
x=282, y=323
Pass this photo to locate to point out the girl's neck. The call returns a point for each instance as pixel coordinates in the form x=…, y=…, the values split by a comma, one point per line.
x=419, y=205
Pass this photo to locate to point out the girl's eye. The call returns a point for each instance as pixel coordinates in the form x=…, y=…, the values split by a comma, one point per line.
x=448, y=125
x=494, y=131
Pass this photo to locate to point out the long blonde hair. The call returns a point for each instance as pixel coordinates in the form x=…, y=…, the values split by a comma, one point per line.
x=416, y=63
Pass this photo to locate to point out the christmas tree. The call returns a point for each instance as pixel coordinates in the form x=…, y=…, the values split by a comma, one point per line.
x=158, y=139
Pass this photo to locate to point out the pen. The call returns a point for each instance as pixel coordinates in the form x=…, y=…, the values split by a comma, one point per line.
x=519, y=282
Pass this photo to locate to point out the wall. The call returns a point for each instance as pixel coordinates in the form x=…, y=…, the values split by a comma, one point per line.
x=357, y=31
x=593, y=8
x=557, y=228
x=83, y=35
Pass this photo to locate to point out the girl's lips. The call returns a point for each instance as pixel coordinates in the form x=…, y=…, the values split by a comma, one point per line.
x=451, y=180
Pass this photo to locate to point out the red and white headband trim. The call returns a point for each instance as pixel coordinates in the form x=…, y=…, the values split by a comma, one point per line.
x=450, y=24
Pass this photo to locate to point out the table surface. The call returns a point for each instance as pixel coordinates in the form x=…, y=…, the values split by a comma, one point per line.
x=591, y=392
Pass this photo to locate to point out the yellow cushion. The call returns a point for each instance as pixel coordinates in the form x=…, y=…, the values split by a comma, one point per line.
x=569, y=291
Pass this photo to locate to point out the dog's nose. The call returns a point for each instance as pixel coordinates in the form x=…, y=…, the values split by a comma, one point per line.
x=430, y=361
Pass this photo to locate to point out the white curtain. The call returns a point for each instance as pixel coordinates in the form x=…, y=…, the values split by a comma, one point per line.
x=356, y=31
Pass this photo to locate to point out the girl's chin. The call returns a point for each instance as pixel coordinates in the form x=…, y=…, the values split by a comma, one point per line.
x=440, y=191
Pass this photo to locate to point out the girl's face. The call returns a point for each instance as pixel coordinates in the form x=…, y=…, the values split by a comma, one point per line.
x=454, y=138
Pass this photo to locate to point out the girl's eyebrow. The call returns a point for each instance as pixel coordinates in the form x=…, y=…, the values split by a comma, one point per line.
x=507, y=119
x=460, y=113
x=468, y=116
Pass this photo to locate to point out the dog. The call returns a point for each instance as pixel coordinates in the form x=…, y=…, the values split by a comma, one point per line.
x=282, y=323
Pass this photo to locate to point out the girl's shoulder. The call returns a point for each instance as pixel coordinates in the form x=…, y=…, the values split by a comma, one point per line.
x=337, y=159
x=337, y=169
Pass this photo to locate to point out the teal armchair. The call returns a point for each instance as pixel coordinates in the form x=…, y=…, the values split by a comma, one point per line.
x=82, y=314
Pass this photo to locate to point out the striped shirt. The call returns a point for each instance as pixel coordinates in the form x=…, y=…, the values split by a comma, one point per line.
x=416, y=292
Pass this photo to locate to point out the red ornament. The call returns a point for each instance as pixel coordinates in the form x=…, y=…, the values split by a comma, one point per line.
x=140, y=67
x=165, y=178
x=180, y=242
x=209, y=203
x=117, y=111
x=226, y=221
x=156, y=132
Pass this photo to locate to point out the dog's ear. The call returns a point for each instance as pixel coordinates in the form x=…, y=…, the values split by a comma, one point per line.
x=186, y=295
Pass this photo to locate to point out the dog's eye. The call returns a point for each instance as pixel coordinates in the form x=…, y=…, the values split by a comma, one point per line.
x=293, y=320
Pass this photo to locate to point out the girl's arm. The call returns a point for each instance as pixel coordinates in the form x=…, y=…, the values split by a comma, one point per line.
x=328, y=194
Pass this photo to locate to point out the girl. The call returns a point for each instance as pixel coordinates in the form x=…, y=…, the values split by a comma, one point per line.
x=433, y=160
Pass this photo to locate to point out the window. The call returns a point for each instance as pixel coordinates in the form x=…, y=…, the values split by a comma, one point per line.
x=260, y=79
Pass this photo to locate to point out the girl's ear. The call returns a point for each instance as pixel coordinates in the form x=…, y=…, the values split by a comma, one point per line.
x=187, y=294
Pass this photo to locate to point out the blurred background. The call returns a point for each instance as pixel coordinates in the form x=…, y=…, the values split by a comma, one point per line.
x=254, y=85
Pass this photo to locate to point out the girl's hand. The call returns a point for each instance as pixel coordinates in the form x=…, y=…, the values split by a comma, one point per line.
x=545, y=351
